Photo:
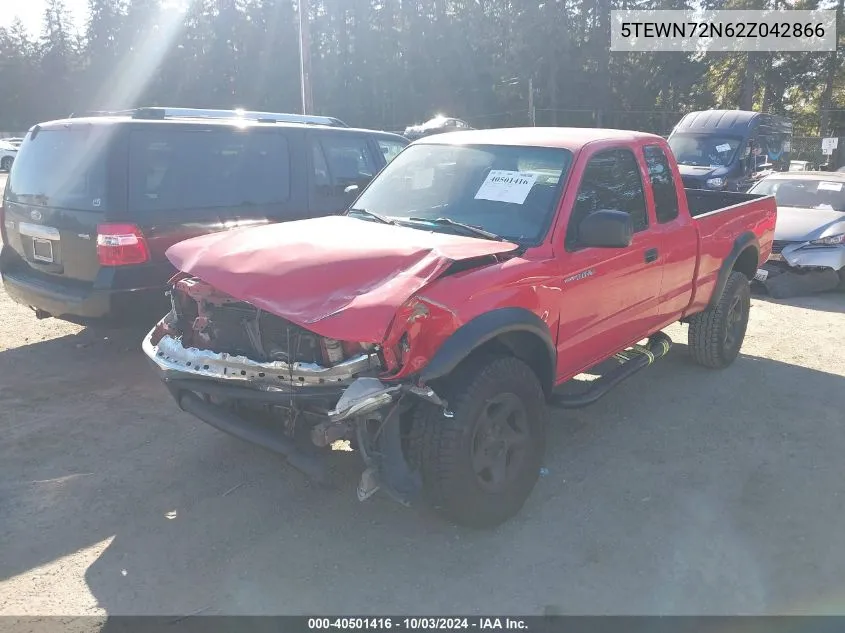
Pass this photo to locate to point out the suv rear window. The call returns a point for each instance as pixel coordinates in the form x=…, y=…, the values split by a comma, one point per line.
x=187, y=169
x=64, y=168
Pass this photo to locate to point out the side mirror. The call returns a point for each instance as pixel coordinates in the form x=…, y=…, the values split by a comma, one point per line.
x=606, y=228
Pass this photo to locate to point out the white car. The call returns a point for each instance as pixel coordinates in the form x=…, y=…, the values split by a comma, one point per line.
x=799, y=165
x=810, y=229
x=7, y=155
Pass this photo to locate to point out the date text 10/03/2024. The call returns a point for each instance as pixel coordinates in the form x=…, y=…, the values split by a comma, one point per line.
x=418, y=623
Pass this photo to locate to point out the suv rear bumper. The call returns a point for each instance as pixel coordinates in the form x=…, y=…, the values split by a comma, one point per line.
x=81, y=302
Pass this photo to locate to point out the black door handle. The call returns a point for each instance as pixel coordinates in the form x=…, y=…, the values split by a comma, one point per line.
x=650, y=255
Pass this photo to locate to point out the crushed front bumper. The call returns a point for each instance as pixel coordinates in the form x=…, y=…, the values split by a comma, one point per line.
x=345, y=394
x=802, y=255
x=349, y=387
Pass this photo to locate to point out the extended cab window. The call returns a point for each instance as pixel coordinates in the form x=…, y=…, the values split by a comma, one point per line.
x=189, y=169
x=662, y=184
x=611, y=181
x=340, y=161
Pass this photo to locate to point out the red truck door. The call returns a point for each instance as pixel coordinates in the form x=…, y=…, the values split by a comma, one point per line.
x=610, y=296
x=675, y=230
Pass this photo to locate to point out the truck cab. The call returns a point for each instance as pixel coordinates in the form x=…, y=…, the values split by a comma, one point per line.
x=730, y=150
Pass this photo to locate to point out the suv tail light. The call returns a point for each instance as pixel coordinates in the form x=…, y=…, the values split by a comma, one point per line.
x=121, y=245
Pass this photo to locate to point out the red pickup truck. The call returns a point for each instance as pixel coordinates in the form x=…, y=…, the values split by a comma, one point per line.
x=434, y=325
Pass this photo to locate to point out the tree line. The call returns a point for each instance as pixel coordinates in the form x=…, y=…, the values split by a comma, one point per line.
x=390, y=63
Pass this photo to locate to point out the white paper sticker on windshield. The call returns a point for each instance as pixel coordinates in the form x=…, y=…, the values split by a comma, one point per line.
x=506, y=186
x=724, y=147
x=829, y=186
x=422, y=179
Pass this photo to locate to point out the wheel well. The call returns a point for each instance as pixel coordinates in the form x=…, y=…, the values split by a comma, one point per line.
x=746, y=263
x=527, y=347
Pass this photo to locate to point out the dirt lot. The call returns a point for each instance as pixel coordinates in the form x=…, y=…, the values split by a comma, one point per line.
x=684, y=491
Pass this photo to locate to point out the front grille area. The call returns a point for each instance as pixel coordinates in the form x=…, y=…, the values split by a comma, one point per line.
x=239, y=328
x=779, y=245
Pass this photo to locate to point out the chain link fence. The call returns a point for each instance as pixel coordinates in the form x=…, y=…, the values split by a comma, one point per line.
x=808, y=148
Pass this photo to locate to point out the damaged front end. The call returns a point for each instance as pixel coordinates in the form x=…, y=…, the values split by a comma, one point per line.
x=273, y=383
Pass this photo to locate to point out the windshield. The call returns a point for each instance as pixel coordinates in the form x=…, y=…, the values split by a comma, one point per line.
x=510, y=191
x=704, y=150
x=804, y=193
x=63, y=168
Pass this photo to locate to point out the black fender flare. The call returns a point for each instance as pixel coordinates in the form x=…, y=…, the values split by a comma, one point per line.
x=484, y=328
x=742, y=243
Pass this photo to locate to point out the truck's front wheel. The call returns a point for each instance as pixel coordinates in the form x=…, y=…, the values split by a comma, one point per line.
x=480, y=466
x=716, y=335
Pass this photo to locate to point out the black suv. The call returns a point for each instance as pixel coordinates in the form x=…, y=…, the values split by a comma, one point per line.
x=92, y=204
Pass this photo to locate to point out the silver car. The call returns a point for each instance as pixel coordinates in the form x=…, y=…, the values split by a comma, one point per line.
x=8, y=152
x=810, y=230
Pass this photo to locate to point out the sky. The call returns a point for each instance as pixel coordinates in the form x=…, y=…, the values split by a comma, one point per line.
x=32, y=12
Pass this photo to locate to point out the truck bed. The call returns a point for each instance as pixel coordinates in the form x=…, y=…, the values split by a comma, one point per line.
x=720, y=218
x=702, y=201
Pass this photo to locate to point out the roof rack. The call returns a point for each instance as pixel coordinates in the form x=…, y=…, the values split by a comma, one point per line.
x=92, y=113
x=161, y=113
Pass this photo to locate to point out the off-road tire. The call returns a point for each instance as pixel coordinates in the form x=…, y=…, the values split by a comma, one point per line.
x=441, y=446
x=6, y=163
x=708, y=330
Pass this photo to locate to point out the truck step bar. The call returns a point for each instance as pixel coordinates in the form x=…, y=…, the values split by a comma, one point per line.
x=232, y=424
x=633, y=360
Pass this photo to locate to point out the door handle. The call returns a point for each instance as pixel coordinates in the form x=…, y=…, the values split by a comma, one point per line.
x=650, y=255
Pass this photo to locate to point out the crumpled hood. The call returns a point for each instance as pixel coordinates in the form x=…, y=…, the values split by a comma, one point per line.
x=338, y=276
x=802, y=225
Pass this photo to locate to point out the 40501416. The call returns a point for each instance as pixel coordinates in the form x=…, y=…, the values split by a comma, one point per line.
x=317, y=624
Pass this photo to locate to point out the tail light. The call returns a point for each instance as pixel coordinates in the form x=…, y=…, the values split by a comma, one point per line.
x=121, y=245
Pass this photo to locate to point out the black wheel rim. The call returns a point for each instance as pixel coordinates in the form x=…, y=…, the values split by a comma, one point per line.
x=733, y=330
x=500, y=442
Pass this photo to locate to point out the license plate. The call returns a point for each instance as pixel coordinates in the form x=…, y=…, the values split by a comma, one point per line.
x=776, y=257
x=761, y=275
x=42, y=250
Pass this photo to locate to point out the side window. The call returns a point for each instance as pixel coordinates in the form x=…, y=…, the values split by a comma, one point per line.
x=390, y=149
x=340, y=161
x=179, y=169
x=611, y=180
x=321, y=169
x=662, y=185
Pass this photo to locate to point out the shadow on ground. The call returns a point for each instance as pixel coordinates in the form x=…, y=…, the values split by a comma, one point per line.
x=832, y=301
x=683, y=491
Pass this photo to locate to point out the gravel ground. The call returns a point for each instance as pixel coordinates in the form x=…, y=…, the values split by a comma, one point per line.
x=683, y=491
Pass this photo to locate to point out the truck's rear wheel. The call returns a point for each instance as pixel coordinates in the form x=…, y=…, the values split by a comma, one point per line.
x=716, y=335
x=480, y=466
